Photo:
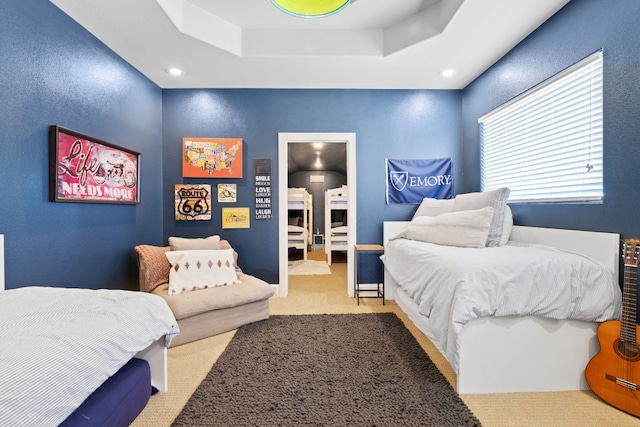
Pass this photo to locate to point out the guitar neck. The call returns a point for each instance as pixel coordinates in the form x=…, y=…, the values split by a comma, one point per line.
x=629, y=297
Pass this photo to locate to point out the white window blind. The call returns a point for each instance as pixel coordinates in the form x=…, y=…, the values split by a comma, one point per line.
x=546, y=144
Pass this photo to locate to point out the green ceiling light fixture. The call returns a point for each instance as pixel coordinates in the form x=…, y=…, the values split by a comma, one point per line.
x=310, y=8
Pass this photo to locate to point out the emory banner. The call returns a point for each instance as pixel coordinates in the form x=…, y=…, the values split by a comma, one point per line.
x=409, y=181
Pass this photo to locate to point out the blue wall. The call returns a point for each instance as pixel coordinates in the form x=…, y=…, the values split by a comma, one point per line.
x=579, y=29
x=387, y=123
x=53, y=72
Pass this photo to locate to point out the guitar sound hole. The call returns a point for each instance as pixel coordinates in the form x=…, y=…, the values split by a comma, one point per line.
x=628, y=350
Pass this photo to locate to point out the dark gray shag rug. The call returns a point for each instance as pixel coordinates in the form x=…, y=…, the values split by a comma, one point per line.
x=325, y=370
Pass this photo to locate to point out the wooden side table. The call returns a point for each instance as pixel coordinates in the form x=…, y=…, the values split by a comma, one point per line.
x=368, y=249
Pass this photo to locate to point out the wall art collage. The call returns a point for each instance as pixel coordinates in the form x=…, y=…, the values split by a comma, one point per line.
x=87, y=169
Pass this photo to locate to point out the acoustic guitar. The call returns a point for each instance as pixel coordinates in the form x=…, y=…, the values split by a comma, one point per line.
x=614, y=373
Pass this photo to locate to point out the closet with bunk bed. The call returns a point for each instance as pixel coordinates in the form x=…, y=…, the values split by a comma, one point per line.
x=335, y=221
x=300, y=228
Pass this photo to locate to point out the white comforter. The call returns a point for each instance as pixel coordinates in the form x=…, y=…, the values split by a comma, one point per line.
x=59, y=345
x=453, y=285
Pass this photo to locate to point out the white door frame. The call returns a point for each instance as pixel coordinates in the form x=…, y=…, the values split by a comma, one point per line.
x=283, y=143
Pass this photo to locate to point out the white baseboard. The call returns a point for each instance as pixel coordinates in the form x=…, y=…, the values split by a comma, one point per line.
x=276, y=290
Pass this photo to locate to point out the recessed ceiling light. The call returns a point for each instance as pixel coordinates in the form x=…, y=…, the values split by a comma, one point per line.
x=318, y=145
x=175, y=71
x=448, y=73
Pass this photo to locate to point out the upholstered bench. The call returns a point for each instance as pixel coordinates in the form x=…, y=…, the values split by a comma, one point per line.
x=206, y=311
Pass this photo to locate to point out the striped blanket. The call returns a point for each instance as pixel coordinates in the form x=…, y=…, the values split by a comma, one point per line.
x=59, y=345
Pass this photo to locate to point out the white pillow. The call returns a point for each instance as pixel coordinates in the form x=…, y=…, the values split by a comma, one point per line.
x=200, y=269
x=465, y=228
x=497, y=199
x=185, y=244
x=434, y=207
x=507, y=225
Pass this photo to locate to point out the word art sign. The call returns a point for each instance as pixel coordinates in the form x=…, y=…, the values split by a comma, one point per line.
x=262, y=173
x=193, y=202
x=409, y=181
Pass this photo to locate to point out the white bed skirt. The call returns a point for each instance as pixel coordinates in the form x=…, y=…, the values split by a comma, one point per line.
x=517, y=354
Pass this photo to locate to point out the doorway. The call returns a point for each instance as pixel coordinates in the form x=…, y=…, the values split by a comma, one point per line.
x=284, y=139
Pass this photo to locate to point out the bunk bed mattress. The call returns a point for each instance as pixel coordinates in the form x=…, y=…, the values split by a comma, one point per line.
x=60, y=345
x=339, y=237
x=453, y=285
x=294, y=230
x=340, y=230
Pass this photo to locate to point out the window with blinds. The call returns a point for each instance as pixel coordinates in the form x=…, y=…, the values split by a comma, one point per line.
x=546, y=144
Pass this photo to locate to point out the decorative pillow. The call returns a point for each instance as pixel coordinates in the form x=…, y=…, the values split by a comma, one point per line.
x=497, y=199
x=156, y=266
x=186, y=244
x=465, y=228
x=434, y=207
x=200, y=269
x=224, y=244
x=507, y=226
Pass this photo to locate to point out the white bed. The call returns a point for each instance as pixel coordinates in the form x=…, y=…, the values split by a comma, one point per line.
x=300, y=229
x=336, y=233
x=59, y=345
x=499, y=354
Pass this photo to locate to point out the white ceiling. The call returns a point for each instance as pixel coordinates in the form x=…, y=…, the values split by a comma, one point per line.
x=372, y=44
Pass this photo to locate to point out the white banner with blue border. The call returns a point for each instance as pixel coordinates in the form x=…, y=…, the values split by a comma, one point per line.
x=409, y=181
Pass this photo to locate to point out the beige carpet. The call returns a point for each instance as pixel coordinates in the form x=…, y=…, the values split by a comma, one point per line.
x=190, y=363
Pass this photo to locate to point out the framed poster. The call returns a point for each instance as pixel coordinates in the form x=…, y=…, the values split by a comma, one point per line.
x=86, y=169
x=193, y=202
x=212, y=157
x=235, y=217
x=227, y=193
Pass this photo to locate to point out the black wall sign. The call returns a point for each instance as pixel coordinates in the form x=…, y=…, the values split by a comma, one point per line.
x=262, y=174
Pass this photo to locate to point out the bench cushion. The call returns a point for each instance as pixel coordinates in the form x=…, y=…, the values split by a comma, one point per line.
x=250, y=289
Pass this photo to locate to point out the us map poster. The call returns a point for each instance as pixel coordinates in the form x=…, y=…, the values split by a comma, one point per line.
x=212, y=157
x=262, y=174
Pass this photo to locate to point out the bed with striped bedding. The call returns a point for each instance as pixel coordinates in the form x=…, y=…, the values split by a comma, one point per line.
x=59, y=345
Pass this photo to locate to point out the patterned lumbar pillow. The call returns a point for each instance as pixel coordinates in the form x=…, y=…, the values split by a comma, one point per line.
x=200, y=269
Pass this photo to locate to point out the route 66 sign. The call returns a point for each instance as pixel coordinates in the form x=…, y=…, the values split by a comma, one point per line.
x=193, y=202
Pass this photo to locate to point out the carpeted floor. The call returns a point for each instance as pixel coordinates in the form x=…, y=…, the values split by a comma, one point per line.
x=341, y=370
x=189, y=364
